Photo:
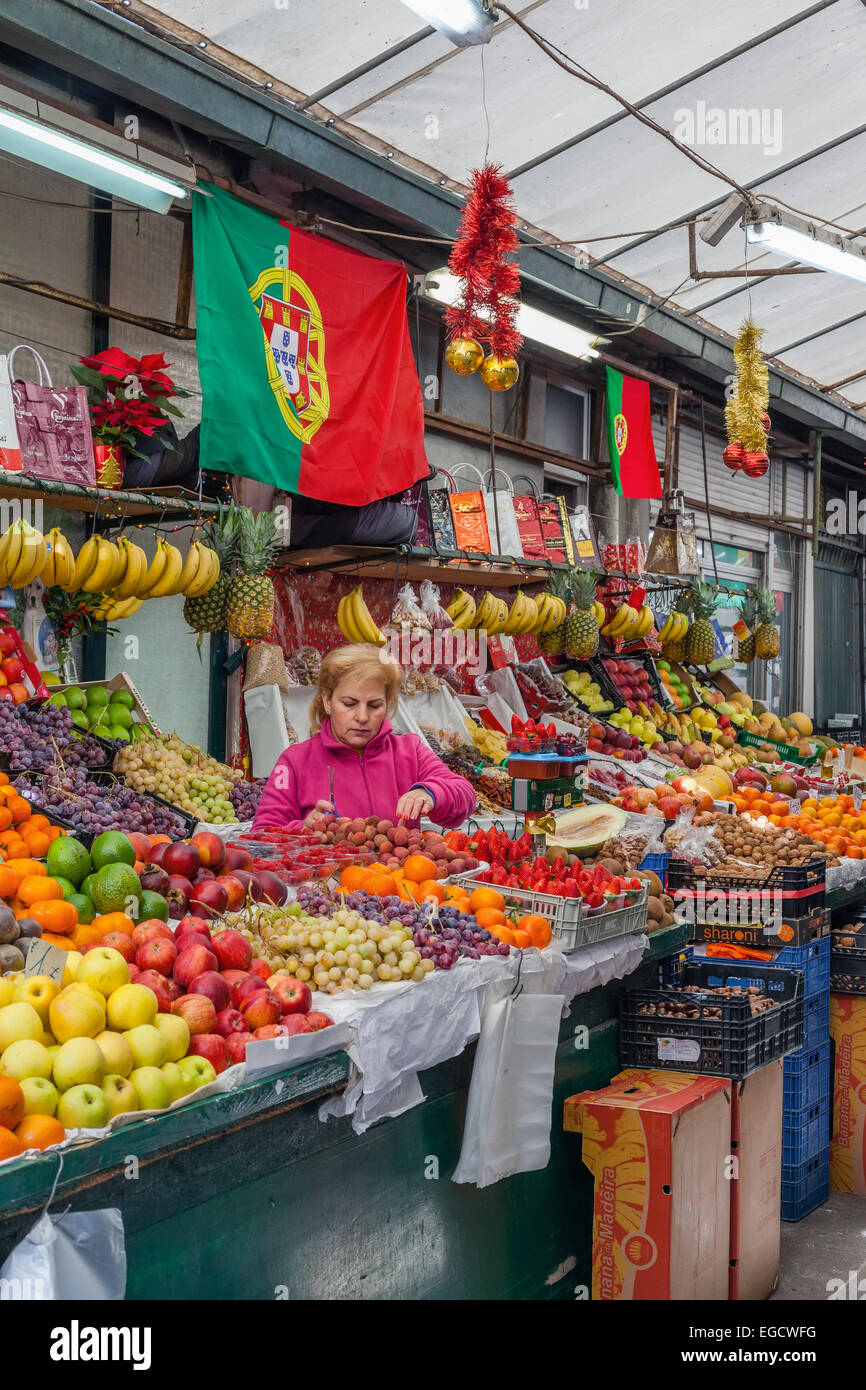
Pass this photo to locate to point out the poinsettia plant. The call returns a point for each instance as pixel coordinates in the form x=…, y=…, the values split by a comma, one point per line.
x=71, y=615
x=128, y=396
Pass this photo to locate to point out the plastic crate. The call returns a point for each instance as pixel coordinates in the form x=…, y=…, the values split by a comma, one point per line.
x=807, y=1077
x=785, y=751
x=805, y=1132
x=814, y=961
x=847, y=963
x=805, y=1186
x=568, y=921
x=816, y=1020
x=802, y=886
x=764, y=936
x=723, y=1038
x=656, y=864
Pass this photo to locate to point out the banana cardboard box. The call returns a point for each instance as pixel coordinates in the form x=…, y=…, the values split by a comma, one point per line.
x=756, y=1184
x=657, y=1144
x=848, y=1145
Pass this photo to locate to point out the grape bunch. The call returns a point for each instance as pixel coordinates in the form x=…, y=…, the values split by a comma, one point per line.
x=245, y=798
x=35, y=739
x=91, y=808
x=181, y=773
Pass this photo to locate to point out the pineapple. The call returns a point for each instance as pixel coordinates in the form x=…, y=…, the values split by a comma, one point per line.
x=581, y=624
x=701, y=640
x=766, y=633
x=553, y=643
x=208, y=613
x=748, y=613
x=250, y=607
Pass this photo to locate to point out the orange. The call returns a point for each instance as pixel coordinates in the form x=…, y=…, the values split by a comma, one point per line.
x=113, y=921
x=40, y=1131
x=432, y=888
x=5, y=818
x=538, y=928
x=11, y=1102
x=353, y=877
x=39, y=822
x=140, y=844
x=455, y=890
x=381, y=885
x=55, y=916
x=418, y=867
x=9, y=881
x=485, y=897
x=10, y=1144
x=522, y=939
x=37, y=842
x=85, y=934
x=25, y=866
x=491, y=917
x=20, y=809
x=159, y=839
x=37, y=889
x=853, y=852
x=505, y=934
x=64, y=942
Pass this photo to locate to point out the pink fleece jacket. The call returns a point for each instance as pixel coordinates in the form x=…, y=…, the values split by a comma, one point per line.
x=365, y=784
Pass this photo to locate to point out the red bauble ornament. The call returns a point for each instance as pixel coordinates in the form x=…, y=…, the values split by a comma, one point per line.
x=765, y=420
x=734, y=457
x=755, y=465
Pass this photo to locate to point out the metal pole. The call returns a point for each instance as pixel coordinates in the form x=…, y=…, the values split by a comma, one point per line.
x=816, y=494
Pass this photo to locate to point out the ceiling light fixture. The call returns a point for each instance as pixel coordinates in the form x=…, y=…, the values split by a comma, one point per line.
x=787, y=234
x=464, y=22
x=540, y=327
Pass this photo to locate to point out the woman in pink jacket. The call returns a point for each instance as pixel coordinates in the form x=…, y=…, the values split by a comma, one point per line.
x=354, y=764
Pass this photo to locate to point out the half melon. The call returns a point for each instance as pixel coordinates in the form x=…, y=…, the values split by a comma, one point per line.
x=584, y=829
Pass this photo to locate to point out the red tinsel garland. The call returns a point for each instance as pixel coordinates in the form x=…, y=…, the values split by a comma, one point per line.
x=490, y=282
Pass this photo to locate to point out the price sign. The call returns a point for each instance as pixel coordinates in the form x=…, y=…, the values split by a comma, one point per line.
x=45, y=959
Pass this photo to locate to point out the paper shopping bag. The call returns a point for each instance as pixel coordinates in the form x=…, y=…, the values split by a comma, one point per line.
x=10, y=448
x=529, y=521
x=54, y=427
x=470, y=516
x=501, y=518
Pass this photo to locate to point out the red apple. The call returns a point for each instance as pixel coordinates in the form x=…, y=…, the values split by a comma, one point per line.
x=232, y=950
x=197, y=1011
x=158, y=985
x=212, y=984
x=234, y=977
x=202, y=876
x=261, y=968
x=273, y=888
x=179, y=889
x=119, y=941
x=261, y=1008
x=151, y=930
x=189, y=938
x=174, y=990
x=236, y=1047
x=156, y=852
x=208, y=899
x=237, y=893
x=237, y=858
x=230, y=1021
x=252, y=884
x=253, y=984
x=192, y=961
x=211, y=849
x=195, y=924
x=297, y=1023
x=155, y=878
x=295, y=996
x=134, y=972
x=211, y=1046
x=7, y=642
x=182, y=858
x=270, y=1030
x=318, y=1020
x=12, y=669
x=157, y=954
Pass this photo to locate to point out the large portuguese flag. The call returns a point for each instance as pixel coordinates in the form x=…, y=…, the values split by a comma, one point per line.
x=306, y=367
x=630, y=437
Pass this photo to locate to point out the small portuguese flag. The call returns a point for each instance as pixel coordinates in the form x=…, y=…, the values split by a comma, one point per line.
x=308, y=380
x=630, y=437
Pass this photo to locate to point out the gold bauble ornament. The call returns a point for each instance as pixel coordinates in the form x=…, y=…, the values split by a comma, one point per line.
x=464, y=356
x=499, y=373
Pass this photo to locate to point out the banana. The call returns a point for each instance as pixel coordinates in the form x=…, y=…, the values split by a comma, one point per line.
x=619, y=622
x=485, y=611
x=60, y=562
x=461, y=602
x=558, y=616
x=31, y=557
x=101, y=577
x=516, y=615
x=667, y=627
x=193, y=566
x=85, y=562
x=154, y=571
x=343, y=619
x=167, y=581
x=10, y=547
x=123, y=608
x=600, y=615
x=544, y=608
x=645, y=621
x=464, y=615
x=213, y=571
x=531, y=615
x=206, y=573
x=362, y=619
x=135, y=568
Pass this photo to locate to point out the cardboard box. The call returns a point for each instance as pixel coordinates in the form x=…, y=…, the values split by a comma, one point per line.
x=118, y=682
x=656, y=1144
x=756, y=1183
x=848, y=1031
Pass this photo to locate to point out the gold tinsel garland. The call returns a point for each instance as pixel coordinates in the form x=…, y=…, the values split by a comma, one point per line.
x=751, y=395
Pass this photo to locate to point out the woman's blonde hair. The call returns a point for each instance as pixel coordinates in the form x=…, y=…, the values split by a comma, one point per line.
x=362, y=661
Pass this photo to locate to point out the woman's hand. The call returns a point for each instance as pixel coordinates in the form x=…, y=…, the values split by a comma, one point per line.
x=318, y=813
x=414, y=803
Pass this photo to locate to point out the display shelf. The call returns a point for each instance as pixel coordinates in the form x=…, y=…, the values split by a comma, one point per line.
x=388, y=562
x=110, y=504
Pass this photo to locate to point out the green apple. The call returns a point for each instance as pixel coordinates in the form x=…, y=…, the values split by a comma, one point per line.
x=79, y=1063
x=40, y=1097
x=178, y=1084
x=37, y=990
x=148, y=1046
x=19, y=1021
x=130, y=1006
x=103, y=968
x=26, y=1058
x=83, y=1107
x=151, y=1088
x=77, y=1012
x=121, y=1095
x=198, y=1069
x=117, y=1052
x=175, y=1031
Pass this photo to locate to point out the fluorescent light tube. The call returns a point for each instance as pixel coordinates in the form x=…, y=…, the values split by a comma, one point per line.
x=532, y=323
x=464, y=22
x=796, y=238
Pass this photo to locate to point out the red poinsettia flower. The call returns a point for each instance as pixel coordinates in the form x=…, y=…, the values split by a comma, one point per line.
x=153, y=379
x=113, y=362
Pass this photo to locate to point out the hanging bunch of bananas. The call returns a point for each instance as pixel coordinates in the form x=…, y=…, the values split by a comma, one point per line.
x=550, y=609
x=355, y=620
x=120, y=570
x=629, y=623
x=522, y=615
x=674, y=628
x=59, y=564
x=22, y=555
x=112, y=610
x=461, y=610
x=491, y=613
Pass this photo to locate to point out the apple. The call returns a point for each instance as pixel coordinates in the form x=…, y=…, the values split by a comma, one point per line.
x=37, y=990
x=189, y=938
x=237, y=893
x=270, y=1030
x=119, y=941
x=318, y=1020
x=156, y=853
x=234, y=977
x=212, y=984
x=149, y=1047
x=202, y=876
x=151, y=1088
x=197, y=1011
x=75, y=1012
x=261, y=968
x=151, y=930
x=232, y=950
x=273, y=888
x=252, y=984
x=134, y=972
x=155, y=878
x=7, y=642
x=158, y=986
x=105, y=969
x=193, y=924
x=252, y=884
x=261, y=1008
x=182, y=858
x=175, y=1033
x=230, y=1021
x=192, y=961
x=26, y=1058
x=13, y=670
x=236, y=1046
x=178, y=1083
x=116, y=1051
x=121, y=1095
x=83, y=1107
x=212, y=1047
x=237, y=858
x=19, y=1021
x=295, y=996
x=297, y=1023
x=40, y=1097
x=80, y=1062
x=179, y=889
x=208, y=899
x=198, y=1069
x=158, y=954
x=130, y=1006
x=212, y=851
x=174, y=991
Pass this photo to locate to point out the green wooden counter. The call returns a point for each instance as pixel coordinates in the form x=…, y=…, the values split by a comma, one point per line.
x=249, y=1196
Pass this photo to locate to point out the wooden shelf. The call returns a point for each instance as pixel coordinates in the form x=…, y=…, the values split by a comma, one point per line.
x=385, y=562
x=109, y=504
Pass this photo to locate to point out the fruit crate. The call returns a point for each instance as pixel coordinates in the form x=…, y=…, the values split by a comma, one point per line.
x=816, y=1020
x=807, y=1077
x=568, y=921
x=119, y=682
x=187, y=822
x=847, y=962
x=805, y=1186
x=785, y=751
x=798, y=890
x=656, y=864
x=805, y=1132
x=722, y=1038
x=546, y=794
x=761, y=936
x=811, y=960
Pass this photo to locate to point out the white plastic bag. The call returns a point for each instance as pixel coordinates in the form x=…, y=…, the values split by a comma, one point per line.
x=78, y=1256
x=266, y=722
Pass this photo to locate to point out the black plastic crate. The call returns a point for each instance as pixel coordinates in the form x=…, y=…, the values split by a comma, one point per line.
x=813, y=960
x=105, y=777
x=802, y=888
x=848, y=961
x=722, y=1038
x=801, y=932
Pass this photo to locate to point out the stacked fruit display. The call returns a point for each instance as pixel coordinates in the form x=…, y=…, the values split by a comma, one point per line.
x=540, y=615
x=420, y=854
x=181, y=773
x=615, y=742
x=89, y=807
x=678, y=692
x=632, y=680
x=640, y=726
x=598, y=889
x=586, y=690
x=109, y=713
x=32, y=738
